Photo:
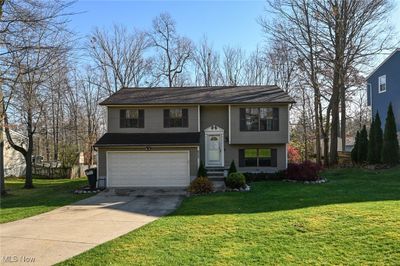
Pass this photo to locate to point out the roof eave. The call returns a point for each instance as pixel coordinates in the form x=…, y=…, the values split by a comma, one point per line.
x=183, y=103
x=149, y=144
x=382, y=63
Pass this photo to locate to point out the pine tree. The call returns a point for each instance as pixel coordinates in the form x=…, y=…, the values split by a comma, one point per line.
x=232, y=168
x=202, y=172
x=363, y=147
x=371, y=158
x=378, y=138
x=390, y=148
x=354, y=151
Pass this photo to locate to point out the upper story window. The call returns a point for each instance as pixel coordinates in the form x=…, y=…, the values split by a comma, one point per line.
x=259, y=119
x=176, y=117
x=131, y=118
x=382, y=84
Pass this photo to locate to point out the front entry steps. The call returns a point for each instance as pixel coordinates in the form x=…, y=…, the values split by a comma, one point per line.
x=216, y=175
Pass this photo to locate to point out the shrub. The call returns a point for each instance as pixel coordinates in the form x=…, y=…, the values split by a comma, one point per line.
x=390, y=149
x=261, y=176
x=354, y=151
x=363, y=146
x=306, y=171
x=232, y=168
x=201, y=185
x=372, y=143
x=202, y=170
x=235, y=180
x=294, y=155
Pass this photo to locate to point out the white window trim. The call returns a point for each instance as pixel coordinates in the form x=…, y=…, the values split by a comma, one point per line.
x=379, y=84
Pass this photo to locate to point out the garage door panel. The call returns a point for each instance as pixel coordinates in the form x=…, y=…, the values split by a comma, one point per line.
x=147, y=169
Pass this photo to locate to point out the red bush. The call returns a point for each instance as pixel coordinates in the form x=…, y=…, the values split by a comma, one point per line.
x=294, y=155
x=306, y=171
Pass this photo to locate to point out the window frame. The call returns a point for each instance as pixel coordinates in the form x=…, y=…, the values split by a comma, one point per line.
x=272, y=159
x=135, y=123
x=263, y=124
x=382, y=83
x=174, y=122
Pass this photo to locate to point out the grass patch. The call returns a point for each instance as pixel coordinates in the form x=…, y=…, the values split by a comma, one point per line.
x=48, y=194
x=354, y=219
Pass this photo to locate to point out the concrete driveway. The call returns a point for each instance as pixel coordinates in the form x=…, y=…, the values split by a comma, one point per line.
x=57, y=235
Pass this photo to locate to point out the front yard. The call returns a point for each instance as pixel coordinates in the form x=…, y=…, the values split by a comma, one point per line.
x=352, y=219
x=48, y=194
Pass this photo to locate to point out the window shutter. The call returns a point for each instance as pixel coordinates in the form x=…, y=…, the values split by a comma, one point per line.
x=122, y=116
x=141, y=118
x=241, y=158
x=166, y=118
x=274, y=158
x=275, y=125
x=242, y=119
x=185, y=118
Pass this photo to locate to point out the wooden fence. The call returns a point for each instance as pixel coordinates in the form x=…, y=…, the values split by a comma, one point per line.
x=50, y=171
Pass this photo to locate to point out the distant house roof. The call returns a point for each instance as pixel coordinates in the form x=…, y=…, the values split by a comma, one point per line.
x=199, y=95
x=383, y=62
x=139, y=139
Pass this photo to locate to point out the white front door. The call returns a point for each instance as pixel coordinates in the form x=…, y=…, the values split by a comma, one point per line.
x=214, y=150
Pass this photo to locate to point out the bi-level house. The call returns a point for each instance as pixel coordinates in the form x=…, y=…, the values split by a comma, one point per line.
x=156, y=137
x=383, y=87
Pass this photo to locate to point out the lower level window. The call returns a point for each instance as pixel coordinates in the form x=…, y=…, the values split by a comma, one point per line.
x=257, y=157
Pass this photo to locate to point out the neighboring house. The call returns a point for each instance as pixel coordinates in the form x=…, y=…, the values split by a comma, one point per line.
x=156, y=137
x=383, y=86
x=14, y=162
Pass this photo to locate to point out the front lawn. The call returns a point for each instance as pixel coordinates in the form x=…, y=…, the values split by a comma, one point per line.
x=354, y=219
x=48, y=194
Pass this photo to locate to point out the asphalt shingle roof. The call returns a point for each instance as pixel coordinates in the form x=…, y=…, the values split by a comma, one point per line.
x=199, y=95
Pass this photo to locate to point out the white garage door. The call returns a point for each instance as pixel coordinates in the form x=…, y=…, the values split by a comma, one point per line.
x=148, y=169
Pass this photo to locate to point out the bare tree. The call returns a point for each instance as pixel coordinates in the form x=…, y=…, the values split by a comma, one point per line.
x=30, y=52
x=119, y=55
x=282, y=60
x=350, y=32
x=174, y=51
x=329, y=38
x=257, y=70
x=206, y=62
x=295, y=27
x=233, y=64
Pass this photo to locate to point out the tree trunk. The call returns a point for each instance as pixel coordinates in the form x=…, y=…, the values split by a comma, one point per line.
x=317, y=129
x=343, y=117
x=335, y=123
x=28, y=174
x=2, y=183
x=29, y=150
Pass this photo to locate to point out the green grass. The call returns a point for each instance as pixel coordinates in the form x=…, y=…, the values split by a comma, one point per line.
x=354, y=219
x=48, y=194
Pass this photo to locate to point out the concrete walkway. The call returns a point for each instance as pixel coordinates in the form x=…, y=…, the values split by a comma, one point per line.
x=57, y=235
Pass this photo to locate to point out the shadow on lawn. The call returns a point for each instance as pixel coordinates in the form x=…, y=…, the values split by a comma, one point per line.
x=344, y=186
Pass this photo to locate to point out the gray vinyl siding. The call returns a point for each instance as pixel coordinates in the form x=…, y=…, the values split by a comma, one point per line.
x=102, y=164
x=256, y=137
x=153, y=120
x=219, y=116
